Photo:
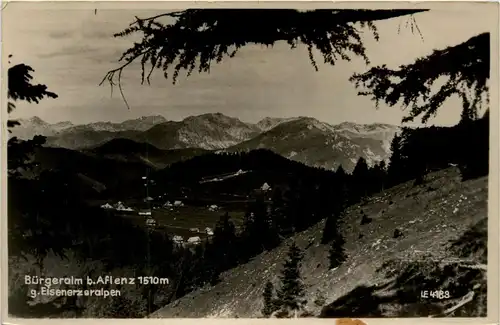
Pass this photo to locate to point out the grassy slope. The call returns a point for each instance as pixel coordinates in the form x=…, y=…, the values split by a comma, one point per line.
x=423, y=213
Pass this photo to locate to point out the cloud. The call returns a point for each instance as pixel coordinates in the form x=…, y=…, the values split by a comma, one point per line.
x=62, y=34
x=97, y=33
x=70, y=50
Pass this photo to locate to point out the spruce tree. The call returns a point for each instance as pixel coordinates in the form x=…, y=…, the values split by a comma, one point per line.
x=292, y=291
x=395, y=162
x=20, y=158
x=224, y=241
x=329, y=229
x=360, y=174
x=262, y=231
x=211, y=269
x=269, y=300
x=278, y=211
x=344, y=189
x=381, y=175
x=332, y=233
x=337, y=253
x=194, y=40
x=332, y=222
x=247, y=244
x=426, y=84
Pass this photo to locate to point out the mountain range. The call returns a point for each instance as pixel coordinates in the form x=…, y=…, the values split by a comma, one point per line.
x=303, y=139
x=319, y=144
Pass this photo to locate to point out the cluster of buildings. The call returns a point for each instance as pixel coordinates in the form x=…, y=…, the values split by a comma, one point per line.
x=118, y=207
x=213, y=207
x=169, y=204
x=195, y=240
x=151, y=222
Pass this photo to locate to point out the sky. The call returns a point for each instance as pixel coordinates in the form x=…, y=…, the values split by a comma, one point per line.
x=72, y=49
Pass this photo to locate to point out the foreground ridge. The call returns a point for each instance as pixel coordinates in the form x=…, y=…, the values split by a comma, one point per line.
x=423, y=213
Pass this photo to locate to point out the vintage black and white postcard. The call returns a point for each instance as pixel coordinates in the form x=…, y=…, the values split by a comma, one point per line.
x=250, y=160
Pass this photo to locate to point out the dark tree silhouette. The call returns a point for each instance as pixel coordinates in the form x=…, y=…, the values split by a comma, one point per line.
x=197, y=38
x=20, y=153
x=466, y=66
x=332, y=233
x=279, y=211
x=224, y=240
x=291, y=293
x=336, y=253
x=259, y=228
x=331, y=224
x=19, y=85
x=379, y=173
x=269, y=300
x=395, y=164
x=329, y=229
x=21, y=88
x=360, y=175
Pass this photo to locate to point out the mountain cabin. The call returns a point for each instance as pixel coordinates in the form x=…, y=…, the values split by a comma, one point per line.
x=107, y=206
x=194, y=240
x=144, y=212
x=179, y=240
x=265, y=187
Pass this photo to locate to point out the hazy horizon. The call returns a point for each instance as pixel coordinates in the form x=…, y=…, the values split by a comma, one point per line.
x=71, y=50
x=178, y=120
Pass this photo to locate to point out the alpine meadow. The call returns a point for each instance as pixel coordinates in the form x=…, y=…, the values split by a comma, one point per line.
x=248, y=162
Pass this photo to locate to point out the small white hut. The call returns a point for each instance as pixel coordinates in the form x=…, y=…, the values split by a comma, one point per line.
x=107, y=206
x=178, y=239
x=122, y=207
x=119, y=206
x=144, y=212
x=150, y=222
x=194, y=240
